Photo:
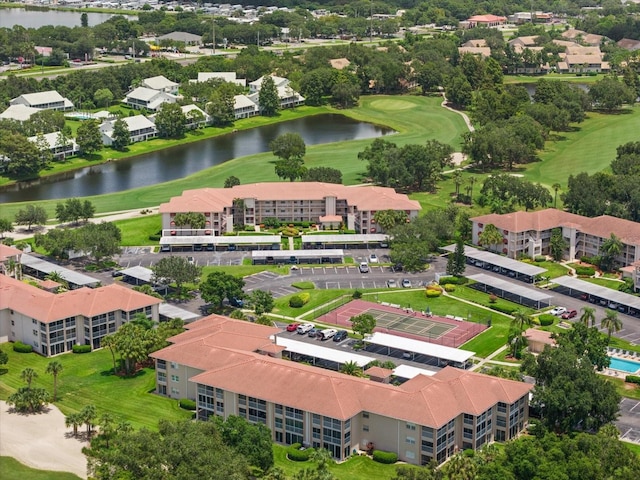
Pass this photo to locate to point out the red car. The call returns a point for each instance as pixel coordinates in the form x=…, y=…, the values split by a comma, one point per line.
x=292, y=327
x=569, y=314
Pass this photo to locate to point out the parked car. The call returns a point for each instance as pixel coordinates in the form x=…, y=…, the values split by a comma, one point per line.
x=236, y=302
x=304, y=328
x=373, y=258
x=558, y=311
x=292, y=327
x=327, y=333
x=209, y=247
x=613, y=305
x=364, y=267
x=165, y=248
x=314, y=332
x=340, y=336
x=197, y=247
x=406, y=283
x=391, y=283
x=569, y=314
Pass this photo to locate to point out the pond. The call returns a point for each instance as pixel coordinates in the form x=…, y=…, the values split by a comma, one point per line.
x=181, y=161
x=39, y=18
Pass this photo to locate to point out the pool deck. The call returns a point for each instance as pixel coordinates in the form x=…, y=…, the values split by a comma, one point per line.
x=612, y=372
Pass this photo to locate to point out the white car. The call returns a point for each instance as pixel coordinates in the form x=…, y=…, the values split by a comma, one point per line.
x=328, y=333
x=406, y=283
x=304, y=328
x=364, y=267
x=373, y=258
x=558, y=311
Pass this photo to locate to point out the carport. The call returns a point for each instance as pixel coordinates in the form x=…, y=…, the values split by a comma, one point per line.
x=226, y=242
x=137, y=275
x=414, y=350
x=40, y=268
x=261, y=257
x=510, y=291
x=605, y=296
x=319, y=240
x=483, y=259
x=320, y=356
x=408, y=372
x=168, y=312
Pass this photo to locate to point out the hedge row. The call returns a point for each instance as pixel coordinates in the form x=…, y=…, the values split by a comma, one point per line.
x=448, y=287
x=453, y=280
x=385, y=457
x=81, y=348
x=187, y=404
x=546, y=319
x=299, y=300
x=632, y=379
x=296, y=455
x=585, y=271
x=22, y=347
x=431, y=293
x=539, y=258
x=504, y=308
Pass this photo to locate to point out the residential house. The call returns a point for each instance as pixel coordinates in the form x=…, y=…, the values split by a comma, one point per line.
x=339, y=63
x=147, y=98
x=244, y=107
x=538, y=339
x=190, y=114
x=50, y=100
x=484, y=52
x=58, y=145
x=289, y=201
x=18, y=113
x=629, y=44
x=579, y=59
x=529, y=234
x=229, y=77
x=256, y=85
x=161, y=84
x=585, y=38
x=54, y=323
x=289, y=98
x=486, y=21
x=10, y=260
x=230, y=367
x=476, y=43
x=140, y=129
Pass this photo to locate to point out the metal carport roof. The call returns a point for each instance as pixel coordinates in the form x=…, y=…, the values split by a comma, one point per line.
x=171, y=311
x=219, y=240
x=323, y=353
x=417, y=346
x=263, y=254
x=407, y=371
x=346, y=238
x=598, y=291
x=138, y=272
x=510, y=287
x=499, y=260
x=71, y=276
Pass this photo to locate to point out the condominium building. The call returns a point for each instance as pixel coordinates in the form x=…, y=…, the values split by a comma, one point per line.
x=49, y=100
x=54, y=323
x=529, y=234
x=231, y=367
x=322, y=203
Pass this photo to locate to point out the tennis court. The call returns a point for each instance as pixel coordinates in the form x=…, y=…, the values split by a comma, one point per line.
x=407, y=323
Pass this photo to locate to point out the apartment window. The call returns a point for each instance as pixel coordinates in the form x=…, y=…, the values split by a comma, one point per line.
x=12, y=322
x=175, y=391
x=174, y=365
x=35, y=333
x=34, y=321
x=162, y=377
x=365, y=414
x=410, y=455
x=161, y=364
x=411, y=426
x=410, y=440
x=365, y=428
x=175, y=378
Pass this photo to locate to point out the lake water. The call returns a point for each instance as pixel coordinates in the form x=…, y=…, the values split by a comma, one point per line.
x=178, y=162
x=39, y=18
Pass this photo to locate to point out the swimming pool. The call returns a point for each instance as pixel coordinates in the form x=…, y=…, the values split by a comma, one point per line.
x=624, y=365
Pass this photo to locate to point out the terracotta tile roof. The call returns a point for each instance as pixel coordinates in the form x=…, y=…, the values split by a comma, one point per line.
x=483, y=51
x=431, y=401
x=487, y=18
x=47, y=307
x=216, y=199
x=602, y=226
x=539, y=336
x=6, y=251
x=378, y=372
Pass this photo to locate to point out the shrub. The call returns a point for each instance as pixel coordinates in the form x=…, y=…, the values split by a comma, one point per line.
x=540, y=258
x=448, y=287
x=305, y=297
x=433, y=293
x=493, y=298
x=295, y=454
x=545, y=319
x=504, y=309
x=585, y=271
x=187, y=404
x=450, y=280
x=632, y=379
x=155, y=237
x=81, y=348
x=22, y=347
x=388, y=458
x=299, y=300
x=249, y=228
x=356, y=294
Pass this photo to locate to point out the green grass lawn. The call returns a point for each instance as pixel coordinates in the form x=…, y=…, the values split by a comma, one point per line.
x=604, y=282
x=416, y=119
x=244, y=270
x=482, y=298
x=554, y=269
x=634, y=447
x=571, y=78
x=318, y=298
x=624, y=389
x=136, y=231
x=86, y=379
x=12, y=469
x=355, y=468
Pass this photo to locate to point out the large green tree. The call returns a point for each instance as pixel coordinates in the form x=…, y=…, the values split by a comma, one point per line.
x=490, y=236
x=363, y=324
x=74, y=209
x=262, y=301
x=31, y=215
x=219, y=286
x=88, y=136
x=121, y=136
x=170, y=121
x=268, y=97
x=99, y=240
x=175, y=269
x=221, y=108
x=253, y=441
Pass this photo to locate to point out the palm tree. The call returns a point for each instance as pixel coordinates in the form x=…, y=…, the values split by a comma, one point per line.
x=54, y=368
x=110, y=342
x=556, y=187
x=351, y=368
x=107, y=426
x=75, y=419
x=57, y=277
x=88, y=414
x=461, y=467
x=521, y=319
x=457, y=181
x=472, y=181
x=588, y=316
x=609, y=250
x=611, y=322
x=517, y=341
x=28, y=375
x=490, y=235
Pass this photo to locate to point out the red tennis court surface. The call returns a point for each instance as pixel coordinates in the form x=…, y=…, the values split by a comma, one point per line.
x=407, y=323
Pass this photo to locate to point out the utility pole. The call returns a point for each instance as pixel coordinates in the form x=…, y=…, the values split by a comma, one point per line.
x=213, y=35
x=258, y=39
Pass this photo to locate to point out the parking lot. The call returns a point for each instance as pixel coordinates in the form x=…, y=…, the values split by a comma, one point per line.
x=257, y=281
x=629, y=421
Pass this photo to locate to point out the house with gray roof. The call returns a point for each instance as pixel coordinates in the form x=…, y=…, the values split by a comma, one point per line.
x=19, y=113
x=186, y=38
x=147, y=98
x=50, y=100
x=140, y=129
x=224, y=76
x=57, y=144
x=162, y=84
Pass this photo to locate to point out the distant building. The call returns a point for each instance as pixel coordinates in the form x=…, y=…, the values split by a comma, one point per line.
x=484, y=52
x=224, y=76
x=69, y=147
x=579, y=59
x=161, y=84
x=339, y=63
x=149, y=99
x=583, y=37
x=140, y=129
x=289, y=98
x=50, y=100
x=486, y=21
x=184, y=37
x=629, y=44
x=18, y=112
x=244, y=107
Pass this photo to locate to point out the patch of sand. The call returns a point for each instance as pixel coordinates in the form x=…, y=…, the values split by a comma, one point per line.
x=41, y=441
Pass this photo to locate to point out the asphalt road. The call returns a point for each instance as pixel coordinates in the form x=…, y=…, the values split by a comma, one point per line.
x=629, y=421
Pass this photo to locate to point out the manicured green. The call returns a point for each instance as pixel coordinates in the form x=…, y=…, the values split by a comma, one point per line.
x=87, y=379
x=570, y=78
x=136, y=231
x=605, y=282
x=417, y=119
x=244, y=270
x=482, y=298
x=554, y=269
x=317, y=299
x=634, y=447
x=304, y=285
x=14, y=470
x=628, y=390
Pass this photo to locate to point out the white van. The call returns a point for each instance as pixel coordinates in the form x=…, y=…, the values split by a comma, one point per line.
x=328, y=333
